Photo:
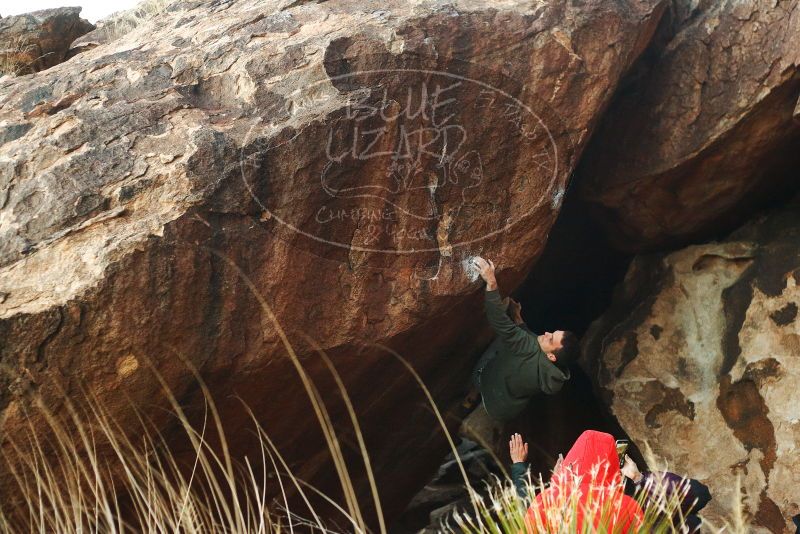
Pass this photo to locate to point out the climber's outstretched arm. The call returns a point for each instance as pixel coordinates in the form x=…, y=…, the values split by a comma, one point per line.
x=516, y=338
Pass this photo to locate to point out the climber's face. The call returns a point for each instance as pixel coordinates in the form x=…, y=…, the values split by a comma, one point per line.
x=551, y=341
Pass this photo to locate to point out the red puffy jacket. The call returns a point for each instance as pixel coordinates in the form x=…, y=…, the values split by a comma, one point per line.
x=589, y=477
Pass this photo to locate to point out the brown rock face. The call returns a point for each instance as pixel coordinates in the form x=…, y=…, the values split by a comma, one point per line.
x=38, y=40
x=698, y=357
x=706, y=130
x=348, y=157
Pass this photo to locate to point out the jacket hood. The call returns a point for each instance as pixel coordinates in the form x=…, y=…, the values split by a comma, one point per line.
x=594, y=457
x=551, y=376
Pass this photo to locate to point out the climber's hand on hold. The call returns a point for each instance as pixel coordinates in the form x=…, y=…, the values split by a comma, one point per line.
x=486, y=270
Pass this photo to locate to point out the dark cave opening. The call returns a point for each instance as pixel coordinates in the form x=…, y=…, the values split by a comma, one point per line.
x=570, y=286
x=573, y=280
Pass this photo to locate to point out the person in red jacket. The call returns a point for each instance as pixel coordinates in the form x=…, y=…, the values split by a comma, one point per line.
x=589, y=481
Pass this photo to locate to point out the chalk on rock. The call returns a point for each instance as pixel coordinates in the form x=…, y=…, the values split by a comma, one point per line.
x=468, y=264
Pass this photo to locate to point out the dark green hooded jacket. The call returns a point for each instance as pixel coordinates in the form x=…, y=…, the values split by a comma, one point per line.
x=520, y=369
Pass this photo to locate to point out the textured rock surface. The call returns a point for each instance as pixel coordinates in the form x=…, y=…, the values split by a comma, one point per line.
x=133, y=177
x=117, y=24
x=704, y=135
x=38, y=40
x=699, y=356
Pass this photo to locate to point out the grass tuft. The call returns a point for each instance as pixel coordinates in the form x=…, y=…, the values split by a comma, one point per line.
x=11, y=52
x=503, y=511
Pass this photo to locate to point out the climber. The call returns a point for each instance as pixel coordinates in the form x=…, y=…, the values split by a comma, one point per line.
x=518, y=364
x=586, y=485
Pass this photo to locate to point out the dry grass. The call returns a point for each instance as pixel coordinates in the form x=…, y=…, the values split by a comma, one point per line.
x=64, y=484
x=69, y=487
x=504, y=512
x=11, y=52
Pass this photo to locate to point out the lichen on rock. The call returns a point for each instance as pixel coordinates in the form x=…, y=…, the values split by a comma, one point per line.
x=713, y=392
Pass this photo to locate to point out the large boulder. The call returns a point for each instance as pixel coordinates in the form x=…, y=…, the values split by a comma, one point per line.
x=706, y=128
x=38, y=40
x=699, y=357
x=342, y=159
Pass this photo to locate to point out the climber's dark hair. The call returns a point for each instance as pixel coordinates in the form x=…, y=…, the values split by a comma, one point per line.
x=569, y=351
